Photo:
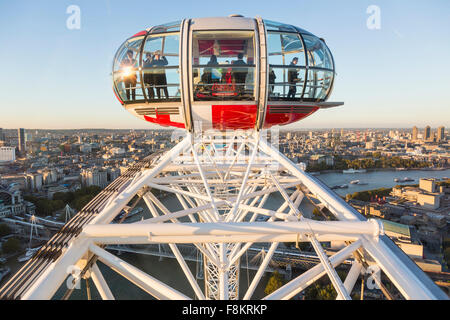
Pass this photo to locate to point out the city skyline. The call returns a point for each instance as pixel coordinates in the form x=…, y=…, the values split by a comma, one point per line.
x=378, y=74
x=281, y=128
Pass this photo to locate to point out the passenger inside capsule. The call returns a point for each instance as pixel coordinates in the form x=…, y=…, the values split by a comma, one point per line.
x=160, y=74
x=149, y=79
x=129, y=77
x=239, y=74
x=223, y=65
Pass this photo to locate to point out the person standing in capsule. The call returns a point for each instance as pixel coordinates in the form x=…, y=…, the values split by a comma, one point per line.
x=240, y=74
x=149, y=78
x=129, y=74
x=293, y=78
x=160, y=74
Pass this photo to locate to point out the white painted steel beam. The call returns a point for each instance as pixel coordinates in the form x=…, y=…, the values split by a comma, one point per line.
x=300, y=283
x=51, y=279
x=115, y=206
x=332, y=274
x=352, y=276
x=261, y=270
x=149, y=198
x=100, y=283
x=370, y=227
x=147, y=283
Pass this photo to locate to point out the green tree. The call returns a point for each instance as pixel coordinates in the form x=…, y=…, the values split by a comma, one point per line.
x=447, y=256
x=320, y=291
x=77, y=199
x=11, y=245
x=4, y=229
x=66, y=197
x=367, y=195
x=43, y=207
x=81, y=201
x=275, y=282
x=317, y=215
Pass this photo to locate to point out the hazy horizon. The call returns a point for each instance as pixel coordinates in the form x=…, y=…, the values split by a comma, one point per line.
x=281, y=128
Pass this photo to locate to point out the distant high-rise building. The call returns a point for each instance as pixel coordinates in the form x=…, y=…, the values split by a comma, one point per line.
x=21, y=141
x=1, y=134
x=427, y=133
x=440, y=133
x=415, y=131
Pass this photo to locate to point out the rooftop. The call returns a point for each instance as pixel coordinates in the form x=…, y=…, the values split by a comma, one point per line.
x=394, y=227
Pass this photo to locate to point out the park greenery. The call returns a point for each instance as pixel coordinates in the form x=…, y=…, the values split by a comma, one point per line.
x=321, y=292
x=323, y=289
x=4, y=229
x=379, y=162
x=369, y=161
x=445, y=183
x=275, y=282
x=446, y=247
x=77, y=199
x=11, y=245
x=369, y=194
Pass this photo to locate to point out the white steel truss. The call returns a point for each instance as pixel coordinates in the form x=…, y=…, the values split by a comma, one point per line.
x=222, y=181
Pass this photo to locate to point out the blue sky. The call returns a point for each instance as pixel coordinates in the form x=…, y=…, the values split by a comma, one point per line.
x=53, y=77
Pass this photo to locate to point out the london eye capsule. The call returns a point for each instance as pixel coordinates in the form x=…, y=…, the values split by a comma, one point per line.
x=223, y=73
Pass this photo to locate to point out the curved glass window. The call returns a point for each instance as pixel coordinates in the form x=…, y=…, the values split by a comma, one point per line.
x=167, y=27
x=318, y=54
x=126, y=76
x=223, y=65
x=321, y=69
x=160, y=67
x=278, y=26
x=287, y=66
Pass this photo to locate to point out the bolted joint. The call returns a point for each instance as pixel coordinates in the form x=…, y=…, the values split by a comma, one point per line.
x=378, y=228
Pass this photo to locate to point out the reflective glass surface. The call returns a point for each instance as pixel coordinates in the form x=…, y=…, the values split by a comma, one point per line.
x=286, y=66
x=146, y=67
x=126, y=75
x=223, y=65
x=160, y=67
x=318, y=54
x=167, y=27
x=278, y=26
x=318, y=84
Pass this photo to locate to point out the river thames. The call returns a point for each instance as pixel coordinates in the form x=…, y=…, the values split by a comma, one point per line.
x=377, y=179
